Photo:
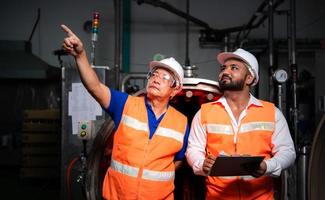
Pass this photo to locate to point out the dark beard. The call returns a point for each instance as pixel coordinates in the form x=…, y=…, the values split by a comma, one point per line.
x=232, y=85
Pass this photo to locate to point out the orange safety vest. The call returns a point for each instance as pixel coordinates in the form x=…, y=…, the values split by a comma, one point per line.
x=254, y=137
x=143, y=168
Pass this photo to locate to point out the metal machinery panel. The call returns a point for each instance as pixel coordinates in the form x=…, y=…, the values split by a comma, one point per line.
x=71, y=145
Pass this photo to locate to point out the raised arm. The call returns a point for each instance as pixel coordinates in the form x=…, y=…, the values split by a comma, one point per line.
x=73, y=45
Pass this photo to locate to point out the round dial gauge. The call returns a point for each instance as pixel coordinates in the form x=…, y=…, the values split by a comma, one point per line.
x=280, y=75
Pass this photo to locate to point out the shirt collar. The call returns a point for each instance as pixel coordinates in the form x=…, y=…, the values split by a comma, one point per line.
x=252, y=101
x=150, y=113
x=148, y=106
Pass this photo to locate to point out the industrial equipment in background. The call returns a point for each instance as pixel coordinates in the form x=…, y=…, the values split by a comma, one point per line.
x=195, y=92
x=81, y=118
x=40, y=144
x=94, y=36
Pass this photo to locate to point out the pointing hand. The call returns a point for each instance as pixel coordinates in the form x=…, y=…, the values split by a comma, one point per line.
x=71, y=43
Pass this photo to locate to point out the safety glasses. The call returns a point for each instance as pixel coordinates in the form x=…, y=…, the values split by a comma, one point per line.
x=164, y=77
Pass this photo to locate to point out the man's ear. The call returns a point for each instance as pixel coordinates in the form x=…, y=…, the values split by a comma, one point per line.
x=249, y=79
x=175, y=91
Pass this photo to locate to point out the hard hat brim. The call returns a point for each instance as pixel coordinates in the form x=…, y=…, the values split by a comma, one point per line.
x=223, y=57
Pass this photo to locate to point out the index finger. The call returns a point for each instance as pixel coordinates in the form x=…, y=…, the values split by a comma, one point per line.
x=67, y=30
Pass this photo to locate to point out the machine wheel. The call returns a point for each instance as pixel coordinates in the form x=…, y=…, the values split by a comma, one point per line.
x=316, y=174
x=99, y=160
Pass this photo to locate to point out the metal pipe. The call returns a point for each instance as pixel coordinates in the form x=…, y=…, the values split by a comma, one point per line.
x=126, y=36
x=289, y=37
x=251, y=21
x=131, y=76
x=175, y=11
x=294, y=73
x=280, y=97
x=284, y=175
x=187, y=59
x=294, y=69
x=226, y=45
x=35, y=25
x=302, y=172
x=271, y=50
x=170, y=8
x=251, y=26
x=188, y=69
x=293, y=29
x=118, y=43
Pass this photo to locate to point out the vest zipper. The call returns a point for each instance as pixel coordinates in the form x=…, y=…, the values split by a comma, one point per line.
x=235, y=138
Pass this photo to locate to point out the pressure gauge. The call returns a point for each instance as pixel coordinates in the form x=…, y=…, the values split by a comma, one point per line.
x=280, y=75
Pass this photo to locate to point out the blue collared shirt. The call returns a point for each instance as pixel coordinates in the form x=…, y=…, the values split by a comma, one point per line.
x=115, y=109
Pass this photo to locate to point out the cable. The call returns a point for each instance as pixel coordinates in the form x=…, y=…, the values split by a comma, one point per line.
x=68, y=173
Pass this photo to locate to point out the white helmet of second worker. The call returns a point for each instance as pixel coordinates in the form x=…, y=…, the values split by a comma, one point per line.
x=172, y=65
x=248, y=58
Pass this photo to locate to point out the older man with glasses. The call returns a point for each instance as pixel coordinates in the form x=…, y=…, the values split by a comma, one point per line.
x=148, y=144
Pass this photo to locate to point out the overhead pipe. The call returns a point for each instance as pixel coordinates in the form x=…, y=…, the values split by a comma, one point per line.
x=275, y=5
x=170, y=8
x=251, y=25
x=251, y=21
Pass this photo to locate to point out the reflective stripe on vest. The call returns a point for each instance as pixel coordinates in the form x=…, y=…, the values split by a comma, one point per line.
x=134, y=123
x=219, y=128
x=147, y=174
x=158, y=176
x=166, y=132
x=124, y=169
x=247, y=127
x=257, y=126
x=235, y=177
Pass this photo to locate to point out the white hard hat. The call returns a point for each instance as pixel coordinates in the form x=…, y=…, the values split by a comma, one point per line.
x=172, y=65
x=248, y=58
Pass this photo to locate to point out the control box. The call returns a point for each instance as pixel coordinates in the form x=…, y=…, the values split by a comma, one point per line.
x=86, y=130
